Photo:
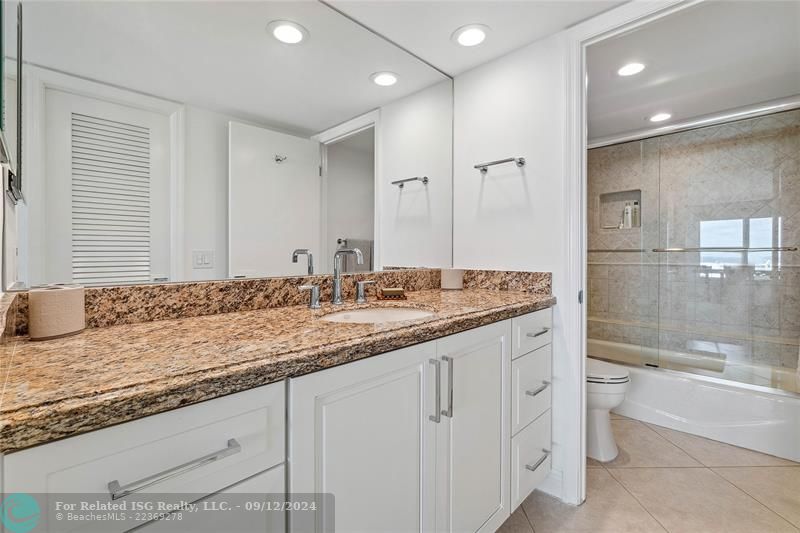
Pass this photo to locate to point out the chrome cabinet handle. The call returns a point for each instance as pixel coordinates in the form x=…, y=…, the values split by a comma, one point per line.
x=538, y=463
x=545, y=384
x=437, y=365
x=120, y=491
x=449, y=411
x=538, y=333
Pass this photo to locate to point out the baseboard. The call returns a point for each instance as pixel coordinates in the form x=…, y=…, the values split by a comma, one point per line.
x=553, y=484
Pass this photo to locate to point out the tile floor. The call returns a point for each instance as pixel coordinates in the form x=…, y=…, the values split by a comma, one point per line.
x=667, y=481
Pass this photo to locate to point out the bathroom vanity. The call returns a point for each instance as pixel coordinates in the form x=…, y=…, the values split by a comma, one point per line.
x=438, y=424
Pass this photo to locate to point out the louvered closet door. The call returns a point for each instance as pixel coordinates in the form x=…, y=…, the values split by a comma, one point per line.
x=107, y=192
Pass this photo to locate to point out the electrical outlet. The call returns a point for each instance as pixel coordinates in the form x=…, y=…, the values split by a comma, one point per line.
x=202, y=259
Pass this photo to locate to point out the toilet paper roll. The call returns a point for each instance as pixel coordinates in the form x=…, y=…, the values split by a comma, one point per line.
x=452, y=279
x=55, y=311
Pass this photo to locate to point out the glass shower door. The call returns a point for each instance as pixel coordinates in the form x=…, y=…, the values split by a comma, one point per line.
x=729, y=304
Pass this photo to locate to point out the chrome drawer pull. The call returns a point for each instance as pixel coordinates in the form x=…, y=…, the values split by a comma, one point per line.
x=538, y=463
x=538, y=333
x=449, y=411
x=545, y=384
x=117, y=491
x=438, y=377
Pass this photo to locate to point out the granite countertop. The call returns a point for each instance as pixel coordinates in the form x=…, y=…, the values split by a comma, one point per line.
x=105, y=376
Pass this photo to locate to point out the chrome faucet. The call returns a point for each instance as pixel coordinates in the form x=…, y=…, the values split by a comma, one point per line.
x=337, y=271
x=304, y=251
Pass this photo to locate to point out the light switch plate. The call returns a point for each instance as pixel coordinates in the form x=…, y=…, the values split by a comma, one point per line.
x=202, y=259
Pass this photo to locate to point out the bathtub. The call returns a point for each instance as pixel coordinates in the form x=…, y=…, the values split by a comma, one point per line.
x=744, y=415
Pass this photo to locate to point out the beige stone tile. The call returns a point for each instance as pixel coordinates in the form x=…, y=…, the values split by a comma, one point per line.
x=640, y=446
x=516, y=523
x=593, y=463
x=778, y=488
x=713, y=453
x=694, y=500
x=608, y=508
x=615, y=416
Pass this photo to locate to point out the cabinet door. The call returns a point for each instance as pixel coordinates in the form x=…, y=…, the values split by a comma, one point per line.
x=362, y=432
x=473, y=439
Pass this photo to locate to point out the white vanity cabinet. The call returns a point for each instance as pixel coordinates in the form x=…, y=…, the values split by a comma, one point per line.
x=197, y=451
x=404, y=451
x=363, y=432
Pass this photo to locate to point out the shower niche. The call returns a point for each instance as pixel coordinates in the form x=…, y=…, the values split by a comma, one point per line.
x=620, y=210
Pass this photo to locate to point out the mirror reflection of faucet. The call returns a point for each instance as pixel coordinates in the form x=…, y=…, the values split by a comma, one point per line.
x=307, y=252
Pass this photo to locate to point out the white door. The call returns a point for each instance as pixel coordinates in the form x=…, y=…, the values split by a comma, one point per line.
x=472, y=456
x=274, y=201
x=362, y=432
x=107, y=191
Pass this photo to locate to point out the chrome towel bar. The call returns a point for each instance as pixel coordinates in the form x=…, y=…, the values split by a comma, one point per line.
x=400, y=183
x=727, y=249
x=681, y=250
x=484, y=167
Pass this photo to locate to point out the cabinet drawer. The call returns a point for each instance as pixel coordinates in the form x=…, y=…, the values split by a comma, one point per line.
x=196, y=450
x=530, y=387
x=531, y=331
x=254, y=489
x=530, y=458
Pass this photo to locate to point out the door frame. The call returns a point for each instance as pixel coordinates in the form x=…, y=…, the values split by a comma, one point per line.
x=622, y=19
x=37, y=80
x=370, y=119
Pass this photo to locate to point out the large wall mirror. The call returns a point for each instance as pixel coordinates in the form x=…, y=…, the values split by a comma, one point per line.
x=176, y=141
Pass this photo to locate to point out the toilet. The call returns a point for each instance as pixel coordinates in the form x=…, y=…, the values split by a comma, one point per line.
x=606, y=385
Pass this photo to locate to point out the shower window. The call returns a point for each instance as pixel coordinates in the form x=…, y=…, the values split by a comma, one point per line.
x=739, y=233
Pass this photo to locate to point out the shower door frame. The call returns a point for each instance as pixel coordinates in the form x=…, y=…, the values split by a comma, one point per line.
x=622, y=19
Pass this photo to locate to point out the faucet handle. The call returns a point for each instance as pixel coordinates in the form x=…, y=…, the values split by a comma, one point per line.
x=313, y=302
x=361, y=291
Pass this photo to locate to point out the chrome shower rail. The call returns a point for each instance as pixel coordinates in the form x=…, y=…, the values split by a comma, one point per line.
x=483, y=167
x=617, y=251
x=400, y=183
x=726, y=249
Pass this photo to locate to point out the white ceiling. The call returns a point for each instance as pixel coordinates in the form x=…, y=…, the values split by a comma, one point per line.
x=424, y=27
x=706, y=59
x=218, y=55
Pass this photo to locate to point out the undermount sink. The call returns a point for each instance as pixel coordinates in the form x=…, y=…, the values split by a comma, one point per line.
x=377, y=315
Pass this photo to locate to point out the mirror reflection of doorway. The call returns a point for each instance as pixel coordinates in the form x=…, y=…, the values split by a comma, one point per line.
x=350, y=190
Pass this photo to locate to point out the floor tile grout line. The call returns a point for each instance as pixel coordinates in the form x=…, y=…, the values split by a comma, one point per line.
x=764, y=505
x=647, y=425
x=528, y=518
x=646, y=510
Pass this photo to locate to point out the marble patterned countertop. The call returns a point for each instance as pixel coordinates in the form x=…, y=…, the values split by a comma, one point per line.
x=104, y=376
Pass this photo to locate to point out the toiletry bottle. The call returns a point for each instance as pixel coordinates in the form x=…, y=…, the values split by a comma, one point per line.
x=636, y=217
x=627, y=216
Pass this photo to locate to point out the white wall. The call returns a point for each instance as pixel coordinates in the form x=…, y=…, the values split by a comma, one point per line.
x=415, y=139
x=513, y=218
x=205, y=190
x=350, y=195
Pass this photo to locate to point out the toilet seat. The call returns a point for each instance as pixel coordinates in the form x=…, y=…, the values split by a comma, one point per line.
x=607, y=373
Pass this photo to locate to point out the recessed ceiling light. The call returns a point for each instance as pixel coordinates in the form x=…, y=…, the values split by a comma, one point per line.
x=630, y=69
x=287, y=31
x=660, y=117
x=384, y=79
x=470, y=35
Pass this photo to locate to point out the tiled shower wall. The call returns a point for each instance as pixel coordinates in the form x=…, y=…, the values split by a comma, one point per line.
x=735, y=184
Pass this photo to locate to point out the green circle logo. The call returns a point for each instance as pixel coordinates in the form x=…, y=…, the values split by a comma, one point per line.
x=19, y=512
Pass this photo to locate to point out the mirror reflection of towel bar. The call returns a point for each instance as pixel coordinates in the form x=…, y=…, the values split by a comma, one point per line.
x=400, y=183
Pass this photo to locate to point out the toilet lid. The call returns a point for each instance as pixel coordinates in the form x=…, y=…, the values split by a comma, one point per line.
x=601, y=372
